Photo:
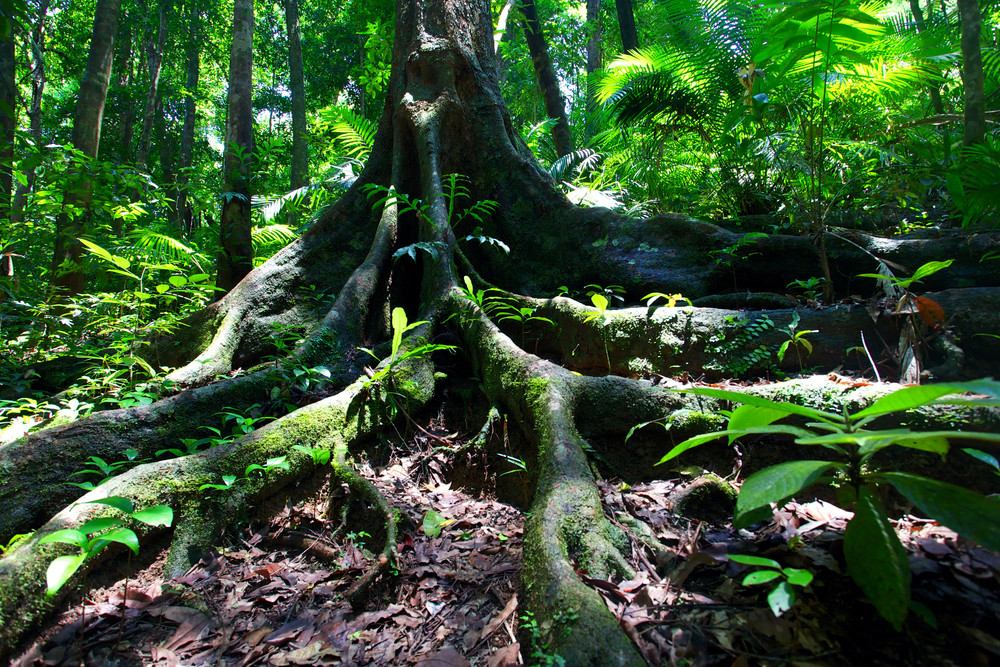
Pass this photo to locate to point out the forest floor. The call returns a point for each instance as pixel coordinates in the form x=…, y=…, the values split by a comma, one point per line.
x=273, y=594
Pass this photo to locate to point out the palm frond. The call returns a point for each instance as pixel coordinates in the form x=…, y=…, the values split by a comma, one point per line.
x=272, y=234
x=161, y=246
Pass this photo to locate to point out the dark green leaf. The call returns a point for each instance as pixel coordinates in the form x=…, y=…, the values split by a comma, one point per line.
x=966, y=512
x=777, y=483
x=876, y=560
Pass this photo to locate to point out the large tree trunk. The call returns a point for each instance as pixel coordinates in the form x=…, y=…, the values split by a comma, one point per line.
x=190, y=116
x=443, y=115
x=297, y=85
x=548, y=82
x=972, y=72
x=236, y=256
x=67, y=272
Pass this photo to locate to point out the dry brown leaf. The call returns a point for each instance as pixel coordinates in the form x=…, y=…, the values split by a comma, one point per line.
x=508, y=655
x=446, y=657
x=253, y=637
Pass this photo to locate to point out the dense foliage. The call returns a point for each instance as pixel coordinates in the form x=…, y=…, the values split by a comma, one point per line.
x=769, y=116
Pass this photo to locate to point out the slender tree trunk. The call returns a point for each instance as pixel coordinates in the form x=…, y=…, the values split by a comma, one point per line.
x=555, y=107
x=8, y=121
x=190, y=115
x=236, y=254
x=67, y=273
x=626, y=24
x=37, y=75
x=933, y=88
x=594, y=33
x=154, y=61
x=297, y=84
x=123, y=81
x=972, y=72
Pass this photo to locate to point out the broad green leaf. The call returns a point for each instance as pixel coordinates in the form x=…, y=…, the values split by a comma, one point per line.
x=59, y=572
x=277, y=462
x=97, y=525
x=97, y=250
x=776, y=483
x=398, y=326
x=914, y=397
x=783, y=349
x=797, y=576
x=760, y=577
x=876, y=560
x=754, y=560
x=66, y=536
x=697, y=440
x=927, y=269
x=966, y=512
x=790, y=408
x=434, y=522
x=177, y=281
x=749, y=416
x=781, y=599
x=600, y=302
x=122, y=536
x=119, y=503
x=157, y=515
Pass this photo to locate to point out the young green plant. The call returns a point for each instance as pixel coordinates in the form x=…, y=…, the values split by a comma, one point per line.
x=875, y=557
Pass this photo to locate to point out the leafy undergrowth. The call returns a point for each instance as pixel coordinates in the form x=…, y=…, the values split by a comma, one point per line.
x=687, y=605
x=274, y=594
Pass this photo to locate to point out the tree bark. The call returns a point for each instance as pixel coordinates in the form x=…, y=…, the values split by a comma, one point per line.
x=37, y=75
x=185, y=218
x=154, y=62
x=548, y=82
x=972, y=72
x=626, y=24
x=8, y=122
x=236, y=256
x=67, y=272
x=297, y=85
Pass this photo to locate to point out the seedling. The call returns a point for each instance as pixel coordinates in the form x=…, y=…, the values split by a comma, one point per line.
x=782, y=596
x=875, y=557
x=104, y=531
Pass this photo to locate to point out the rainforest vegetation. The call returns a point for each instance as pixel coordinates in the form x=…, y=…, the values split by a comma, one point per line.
x=525, y=332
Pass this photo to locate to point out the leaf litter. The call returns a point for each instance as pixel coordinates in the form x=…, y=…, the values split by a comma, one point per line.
x=686, y=605
x=275, y=595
